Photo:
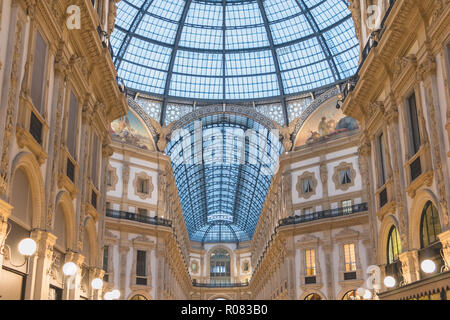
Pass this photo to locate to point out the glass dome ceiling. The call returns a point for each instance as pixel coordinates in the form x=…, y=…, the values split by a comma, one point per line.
x=233, y=50
x=223, y=192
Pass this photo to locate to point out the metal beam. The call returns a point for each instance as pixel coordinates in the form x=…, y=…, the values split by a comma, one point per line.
x=275, y=60
x=131, y=31
x=187, y=5
x=320, y=38
x=224, y=60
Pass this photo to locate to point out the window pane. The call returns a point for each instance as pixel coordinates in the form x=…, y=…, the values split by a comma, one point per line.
x=414, y=134
x=72, y=126
x=38, y=76
x=94, y=173
x=141, y=257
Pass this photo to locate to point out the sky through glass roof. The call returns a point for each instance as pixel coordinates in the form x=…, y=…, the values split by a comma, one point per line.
x=229, y=50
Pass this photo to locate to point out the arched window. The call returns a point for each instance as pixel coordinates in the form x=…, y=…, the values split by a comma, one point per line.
x=430, y=226
x=313, y=296
x=138, y=297
x=394, y=246
x=220, y=266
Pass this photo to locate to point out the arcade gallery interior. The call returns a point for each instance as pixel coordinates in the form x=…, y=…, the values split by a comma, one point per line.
x=224, y=150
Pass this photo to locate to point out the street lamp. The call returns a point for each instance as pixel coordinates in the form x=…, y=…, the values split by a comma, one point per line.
x=390, y=282
x=428, y=266
x=27, y=247
x=70, y=269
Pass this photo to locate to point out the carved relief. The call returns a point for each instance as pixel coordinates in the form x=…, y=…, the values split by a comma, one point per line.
x=113, y=178
x=10, y=111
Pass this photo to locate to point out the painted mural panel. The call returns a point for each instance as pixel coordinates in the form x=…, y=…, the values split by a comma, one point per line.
x=129, y=129
x=325, y=123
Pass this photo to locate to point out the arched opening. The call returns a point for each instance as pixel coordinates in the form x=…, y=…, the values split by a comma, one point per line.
x=220, y=267
x=394, y=246
x=313, y=296
x=430, y=226
x=14, y=273
x=60, y=230
x=138, y=297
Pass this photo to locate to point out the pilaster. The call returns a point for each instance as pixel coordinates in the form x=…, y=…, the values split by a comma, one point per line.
x=72, y=284
x=40, y=264
x=410, y=266
x=5, y=212
x=445, y=240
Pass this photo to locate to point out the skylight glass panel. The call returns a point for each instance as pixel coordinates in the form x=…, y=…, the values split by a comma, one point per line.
x=162, y=30
x=201, y=38
x=329, y=13
x=249, y=63
x=125, y=14
x=198, y=63
x=290, y=29
x=196, y=87
x=167, y=9
x=205, y=15
x=300, y=54
x=243, y=14
x=260, y=86
x=251, y=37
x=280, y=9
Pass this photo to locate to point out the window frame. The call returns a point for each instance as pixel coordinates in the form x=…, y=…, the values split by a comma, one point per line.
x=390, y=244
x=411, y=143
x=436, y=231
x=352, y=263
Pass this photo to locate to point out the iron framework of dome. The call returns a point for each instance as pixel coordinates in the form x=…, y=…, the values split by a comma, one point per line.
x=223, y=193
x=231, y=51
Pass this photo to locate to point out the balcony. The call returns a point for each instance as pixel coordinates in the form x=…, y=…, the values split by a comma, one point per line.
x=138, y=218
x=376, y=36
x=332, y=213
x=219, y=285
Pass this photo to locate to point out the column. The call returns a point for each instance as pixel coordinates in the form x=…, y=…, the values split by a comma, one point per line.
x=328, y=250
x=445, y=240
x=410, y=266
x=5, y=212
x=39, y=266
x=72, y=285
x=95, y=273
x=123, y=253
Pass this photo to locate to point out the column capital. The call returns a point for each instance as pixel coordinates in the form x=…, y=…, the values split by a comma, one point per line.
x=74, y=257
x=445, y=240
x=5, y=210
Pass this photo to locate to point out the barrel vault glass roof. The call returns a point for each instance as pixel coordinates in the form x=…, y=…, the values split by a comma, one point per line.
x=222, y=193
x=233, y=50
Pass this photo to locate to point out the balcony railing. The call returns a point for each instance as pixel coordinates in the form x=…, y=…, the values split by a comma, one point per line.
x=376, y=36
x=137, y=217
x=332, y=213
x=104, y=37
x=220, y=285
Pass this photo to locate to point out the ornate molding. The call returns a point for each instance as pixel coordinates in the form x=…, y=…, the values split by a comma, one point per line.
x=144, y=176
x=299, y=185
x=336, y=176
